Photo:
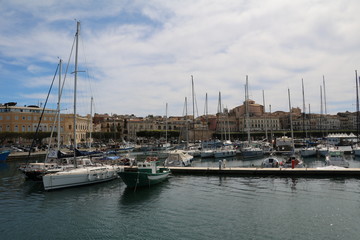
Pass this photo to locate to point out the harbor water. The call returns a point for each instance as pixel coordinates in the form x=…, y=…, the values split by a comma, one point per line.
x=184, y=207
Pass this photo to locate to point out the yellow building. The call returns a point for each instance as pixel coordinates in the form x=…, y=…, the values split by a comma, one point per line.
x=26, y=119
x=83, y=127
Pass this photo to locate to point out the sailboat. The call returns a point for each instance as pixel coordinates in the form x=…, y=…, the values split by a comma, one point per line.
x=249, y=150
x=292, y=161
x=226, y=149
x=356, y=148
x=307, y=151
x=83, y=174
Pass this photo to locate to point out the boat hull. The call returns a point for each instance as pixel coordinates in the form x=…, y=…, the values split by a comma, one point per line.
x=4, y=155
x=142, y=179
x=79, y=176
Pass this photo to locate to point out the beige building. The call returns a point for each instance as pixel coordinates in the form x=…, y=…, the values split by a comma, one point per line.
x=83, y=128
x=26, y=119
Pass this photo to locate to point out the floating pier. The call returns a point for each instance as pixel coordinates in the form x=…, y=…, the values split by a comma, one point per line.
x=269, y=172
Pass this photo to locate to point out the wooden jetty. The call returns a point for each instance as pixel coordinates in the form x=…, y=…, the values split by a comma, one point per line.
x=270, y=172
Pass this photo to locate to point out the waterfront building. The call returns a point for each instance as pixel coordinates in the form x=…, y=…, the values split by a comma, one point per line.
x=25, y=119
x=258, y=119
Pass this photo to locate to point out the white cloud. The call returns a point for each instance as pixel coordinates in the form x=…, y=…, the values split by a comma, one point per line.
x=141, y=54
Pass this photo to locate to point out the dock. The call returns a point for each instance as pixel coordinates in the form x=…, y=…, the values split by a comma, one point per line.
x=269, y=172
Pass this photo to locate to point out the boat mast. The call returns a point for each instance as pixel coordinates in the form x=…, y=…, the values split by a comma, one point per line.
x=265, y=120
x=271, y=126
x=75, y=85
x=91, y=123
x=206, y=118
x=247, y=108
x=219, y=110
x=58, y=106
x=325, y=119
x=291, y=125
x=304, y=110
x=321, y=111
x=186, y=122
x=193, y=103
x=166, y=124
x=357, y=105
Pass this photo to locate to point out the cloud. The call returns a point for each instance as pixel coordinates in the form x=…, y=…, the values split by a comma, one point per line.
x=140, y=55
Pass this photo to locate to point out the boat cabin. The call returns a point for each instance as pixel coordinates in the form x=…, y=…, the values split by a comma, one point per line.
x=148, y=167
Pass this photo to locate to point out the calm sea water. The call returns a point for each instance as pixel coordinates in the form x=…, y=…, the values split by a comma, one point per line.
x=183, y=207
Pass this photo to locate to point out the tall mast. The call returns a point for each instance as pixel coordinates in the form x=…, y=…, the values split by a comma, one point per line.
x=357, y=105
x=247, y=108
x=309, y=118
x=291, y=125
x=75, y=85
x=193, y=103
x=91, y=123
x=58, y=107
x=220, y=116
x=304, y=110
x=166, y=123
x=321, y=111
x=186, y=122
x=271, y=125
x=324, y=94
x=325, y=119
x=265, y=120
x=206, y=115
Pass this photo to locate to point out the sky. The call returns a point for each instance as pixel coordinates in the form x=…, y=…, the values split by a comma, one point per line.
x=136, y=57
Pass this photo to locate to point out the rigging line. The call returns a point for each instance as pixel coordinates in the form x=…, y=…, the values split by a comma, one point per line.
x=86, y=66
x=67, y=67
x=42, y=114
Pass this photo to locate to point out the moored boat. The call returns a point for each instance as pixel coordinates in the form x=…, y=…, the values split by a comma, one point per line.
x=336, y=158
x=147, y=174
x=178, y=158
x=270, y=162
x=308, y=152
x=80, y=176
x=224, y=152
x=4, y=155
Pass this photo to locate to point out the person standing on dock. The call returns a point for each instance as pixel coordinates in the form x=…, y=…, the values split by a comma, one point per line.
x=220, y=163
x=224, y=163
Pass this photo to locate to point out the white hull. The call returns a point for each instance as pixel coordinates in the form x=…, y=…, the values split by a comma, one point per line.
x=80, y=176
x=207, y=153
x=178, y=158
x=336, y=158
x=308, y=152
x=224, y=153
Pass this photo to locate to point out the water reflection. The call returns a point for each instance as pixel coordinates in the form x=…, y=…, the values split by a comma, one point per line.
x=131, y=196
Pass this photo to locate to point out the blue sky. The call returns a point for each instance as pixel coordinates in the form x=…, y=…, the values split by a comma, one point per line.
x=140, y=55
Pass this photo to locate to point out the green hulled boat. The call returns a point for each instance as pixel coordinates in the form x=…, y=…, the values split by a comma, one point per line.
x=147, y=174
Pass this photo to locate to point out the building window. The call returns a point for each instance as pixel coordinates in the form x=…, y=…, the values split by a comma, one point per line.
x=16, y=117
x=29, y=117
